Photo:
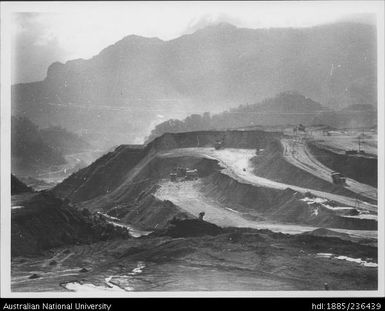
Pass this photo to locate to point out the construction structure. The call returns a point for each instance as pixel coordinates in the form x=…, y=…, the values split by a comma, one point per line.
x=338, y=178
x=183, y=173
x=191, y=174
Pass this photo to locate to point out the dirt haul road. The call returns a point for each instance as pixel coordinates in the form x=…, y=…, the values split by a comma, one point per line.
x=236, y=164
x=188, y=197
x=299, y=155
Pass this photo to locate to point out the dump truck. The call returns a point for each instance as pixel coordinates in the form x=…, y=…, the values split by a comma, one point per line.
x=172, y=176
x=338, y=178
x=301, y=128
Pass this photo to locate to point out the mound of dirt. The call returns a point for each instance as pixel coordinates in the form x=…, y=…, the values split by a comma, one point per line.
x=45, y=222
x=189, y=228
x=327, y=232
x=133, y=197
x=152, y=213
x=101, y=177
x=286, y=206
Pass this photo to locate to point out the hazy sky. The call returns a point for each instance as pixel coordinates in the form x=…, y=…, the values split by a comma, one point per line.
x=62, y=31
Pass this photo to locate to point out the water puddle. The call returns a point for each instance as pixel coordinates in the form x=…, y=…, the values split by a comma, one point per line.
x=88, y=287
x=135, y=233
x=17, y=207
x=356, y=260
x=109, y=284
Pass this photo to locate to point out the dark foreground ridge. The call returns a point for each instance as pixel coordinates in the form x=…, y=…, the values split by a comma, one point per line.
x=42, y=222
x=189, y=228
x=195, y=255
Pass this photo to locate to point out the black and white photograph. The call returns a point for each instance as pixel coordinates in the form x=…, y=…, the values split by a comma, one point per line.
x=192, y=148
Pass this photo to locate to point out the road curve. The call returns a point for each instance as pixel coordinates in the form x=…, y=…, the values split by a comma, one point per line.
x=236, y=163
x=299, y=155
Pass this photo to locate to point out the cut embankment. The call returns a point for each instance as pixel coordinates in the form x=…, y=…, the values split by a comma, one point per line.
x=199, y=139
x=286, y=206
x=140, y=202
x=272, y=165
x=101, y=177
x=114, y=168
x=133, y=201
x=152, y=213
x=362, y=169
x=143, y=181
x=125, y=183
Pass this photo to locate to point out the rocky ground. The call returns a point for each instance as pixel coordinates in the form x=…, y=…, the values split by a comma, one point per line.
x=192, y=255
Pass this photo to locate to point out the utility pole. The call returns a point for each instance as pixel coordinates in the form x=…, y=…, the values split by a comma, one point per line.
x=359, y=143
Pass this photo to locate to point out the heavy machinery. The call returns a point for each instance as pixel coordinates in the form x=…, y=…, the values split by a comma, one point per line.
x=172, y=176
x=219, y=144
x=338, y=178
x=192, y=174
x=184, y=174
x=301, y=128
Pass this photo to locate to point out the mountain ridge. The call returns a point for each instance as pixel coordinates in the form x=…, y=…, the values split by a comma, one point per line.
x=212, y=69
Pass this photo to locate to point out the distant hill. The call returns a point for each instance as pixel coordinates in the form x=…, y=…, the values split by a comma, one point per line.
x=358, y=115
x=34, y=149
x=29, y=152
x=118, y=95
x=287, y=108
x=63, y=140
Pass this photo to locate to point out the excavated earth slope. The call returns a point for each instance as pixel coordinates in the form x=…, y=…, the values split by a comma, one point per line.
x=129, y=183
x=360, y=168
x=128, y=190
